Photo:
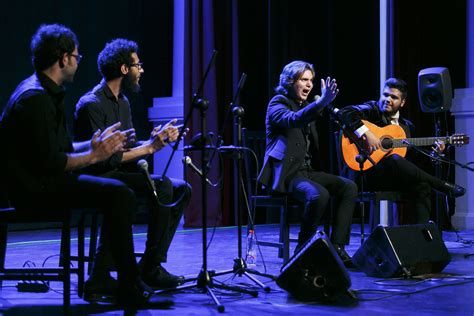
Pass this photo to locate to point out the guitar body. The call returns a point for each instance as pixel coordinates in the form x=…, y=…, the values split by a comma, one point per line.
x=350, y=151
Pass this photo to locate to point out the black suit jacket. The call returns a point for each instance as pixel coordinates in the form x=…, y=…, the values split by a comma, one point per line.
x=286, y=145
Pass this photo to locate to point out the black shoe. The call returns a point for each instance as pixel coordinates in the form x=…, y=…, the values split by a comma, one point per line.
x=346, y=259
x=100, y=289
x=158, y=278
x=453, y=190
x=136, y=296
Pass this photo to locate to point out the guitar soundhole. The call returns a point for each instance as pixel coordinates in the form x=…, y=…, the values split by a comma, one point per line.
x=387, y=143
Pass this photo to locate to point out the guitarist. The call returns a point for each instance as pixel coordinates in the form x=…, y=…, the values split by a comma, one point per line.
x=393, y=172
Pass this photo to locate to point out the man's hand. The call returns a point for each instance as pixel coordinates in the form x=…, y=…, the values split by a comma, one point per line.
x=329, y=91
x=160, y=136
x=372, y=141
x=172, y=131
x=439, y=147
x=105, y=144
x=131, y=136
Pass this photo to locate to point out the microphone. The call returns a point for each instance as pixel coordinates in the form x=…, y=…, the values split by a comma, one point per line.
x=189, y=162
x=332, y=110
x=143, y=166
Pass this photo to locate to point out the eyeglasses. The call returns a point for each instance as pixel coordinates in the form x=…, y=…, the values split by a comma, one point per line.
x=138, y=65
x=78, y=57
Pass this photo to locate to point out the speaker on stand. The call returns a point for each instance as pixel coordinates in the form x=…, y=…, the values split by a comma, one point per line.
x=435, y=95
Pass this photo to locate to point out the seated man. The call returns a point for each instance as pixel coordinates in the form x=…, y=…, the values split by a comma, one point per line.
x=393, y=172
x=292, y=153
x=105, y=104
x=38, y=156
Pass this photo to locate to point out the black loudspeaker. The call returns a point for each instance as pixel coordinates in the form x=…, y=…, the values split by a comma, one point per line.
x=434, y=89
x=402, y=251
x=315, y=273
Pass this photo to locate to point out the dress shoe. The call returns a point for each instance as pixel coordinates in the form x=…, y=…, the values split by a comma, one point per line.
x=136, y=296
x=453, y=190
x=100, y=289
x=346, y=259
x=158, y=278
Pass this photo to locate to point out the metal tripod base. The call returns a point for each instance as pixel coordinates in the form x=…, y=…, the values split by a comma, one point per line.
x=240, y=269
x=205, y=283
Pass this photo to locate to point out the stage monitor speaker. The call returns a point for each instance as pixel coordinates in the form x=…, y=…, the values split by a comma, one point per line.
x=434, y=89
x=402, y=251
x=315, y=273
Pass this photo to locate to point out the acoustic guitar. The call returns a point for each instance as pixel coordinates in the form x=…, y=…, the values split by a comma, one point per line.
x=394, y=141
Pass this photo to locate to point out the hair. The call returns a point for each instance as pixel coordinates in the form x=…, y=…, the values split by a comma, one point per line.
x=399, y=84
x=116, y=53
x=291, y=73
x=50, y=43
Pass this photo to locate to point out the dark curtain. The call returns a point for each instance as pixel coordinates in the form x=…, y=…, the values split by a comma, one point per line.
x=211, y=25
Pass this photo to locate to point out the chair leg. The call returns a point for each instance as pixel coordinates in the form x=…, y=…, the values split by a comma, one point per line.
x=375, y=210
x=66, y=237
x=3, y=247
x=284, y=251
x=93, y=241
x=80, y=255
x=362, y=222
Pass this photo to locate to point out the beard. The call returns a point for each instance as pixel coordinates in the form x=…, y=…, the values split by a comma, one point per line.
x=129, y=85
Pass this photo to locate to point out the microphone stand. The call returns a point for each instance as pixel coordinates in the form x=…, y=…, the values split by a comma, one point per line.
x=204, y=279
x=360, y=158
x=240, y=266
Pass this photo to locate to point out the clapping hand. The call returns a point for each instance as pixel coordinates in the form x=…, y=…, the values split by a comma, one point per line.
x=105, y=144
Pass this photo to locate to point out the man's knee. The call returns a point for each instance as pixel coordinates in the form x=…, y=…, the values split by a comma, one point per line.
x=422, y=188
x=350, y=188
x=164, y=186
x=118, y=195
x=185, y=189
x=319, y=198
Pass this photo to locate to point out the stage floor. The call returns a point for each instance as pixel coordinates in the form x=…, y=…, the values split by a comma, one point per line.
x=441, y=294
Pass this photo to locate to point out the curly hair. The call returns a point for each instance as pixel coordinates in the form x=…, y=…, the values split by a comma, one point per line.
x=116, y=53
x=50, y=43
x=399, y=84
x=291, y=73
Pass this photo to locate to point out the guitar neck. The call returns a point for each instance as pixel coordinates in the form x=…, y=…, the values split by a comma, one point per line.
x=421, y=141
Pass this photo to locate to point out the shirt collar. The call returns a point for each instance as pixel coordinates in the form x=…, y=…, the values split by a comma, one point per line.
x=108, y=93
x=49, y=84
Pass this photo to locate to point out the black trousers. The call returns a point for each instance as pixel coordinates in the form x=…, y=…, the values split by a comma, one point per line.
x=395, y=173
x=314, y=189
x=111, y=197
x=162, y=221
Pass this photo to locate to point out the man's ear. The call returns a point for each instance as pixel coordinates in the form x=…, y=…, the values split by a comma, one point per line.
x=403, y=102
x=63, y=60
x=124, y=69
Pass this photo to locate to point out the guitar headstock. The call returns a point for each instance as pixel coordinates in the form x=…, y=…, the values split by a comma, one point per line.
x=458, y=139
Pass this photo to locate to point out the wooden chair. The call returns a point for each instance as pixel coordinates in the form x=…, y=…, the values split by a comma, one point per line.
x=255, y=140
x=9, y=215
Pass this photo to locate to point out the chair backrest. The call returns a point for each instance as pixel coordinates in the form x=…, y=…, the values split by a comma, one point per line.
x=255, y=141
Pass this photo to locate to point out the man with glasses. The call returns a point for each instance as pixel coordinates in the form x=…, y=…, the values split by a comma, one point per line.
x=38, y=156
x=106, y=104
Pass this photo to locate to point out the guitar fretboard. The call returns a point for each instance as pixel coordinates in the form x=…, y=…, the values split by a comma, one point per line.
x=422, y=141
